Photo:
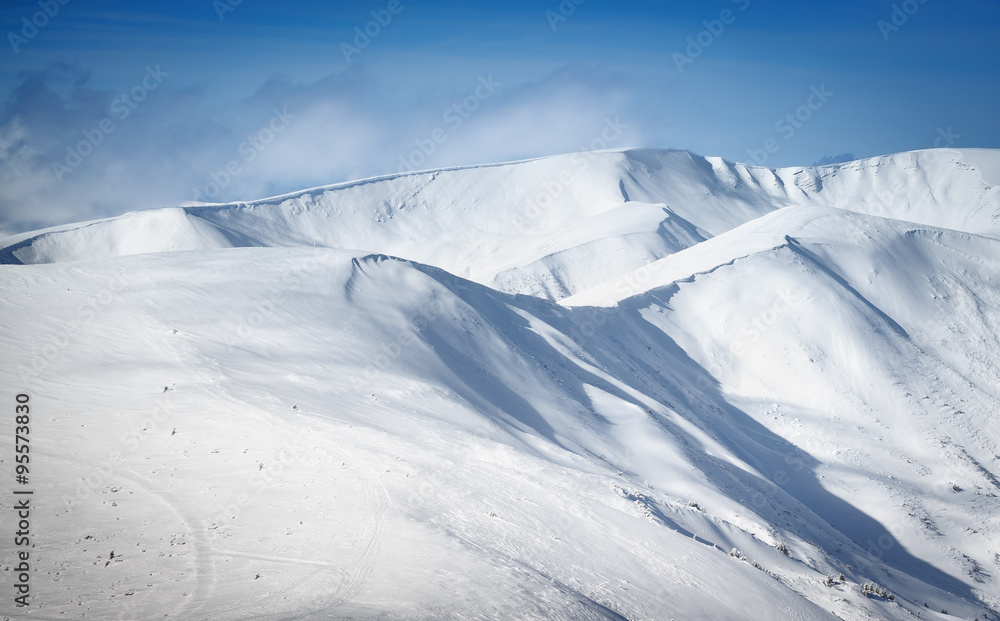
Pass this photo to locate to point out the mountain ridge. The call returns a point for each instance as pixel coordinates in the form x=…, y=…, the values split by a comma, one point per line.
x=518, y=226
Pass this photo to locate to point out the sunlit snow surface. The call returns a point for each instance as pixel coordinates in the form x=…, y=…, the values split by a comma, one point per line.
x=631, y=384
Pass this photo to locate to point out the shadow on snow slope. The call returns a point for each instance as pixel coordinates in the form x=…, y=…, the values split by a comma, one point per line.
x=645, y=364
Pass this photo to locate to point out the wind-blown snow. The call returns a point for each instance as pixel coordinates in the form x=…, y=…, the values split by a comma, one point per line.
x=341, y=404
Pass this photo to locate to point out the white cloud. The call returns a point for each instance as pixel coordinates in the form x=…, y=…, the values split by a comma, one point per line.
x=175, y=145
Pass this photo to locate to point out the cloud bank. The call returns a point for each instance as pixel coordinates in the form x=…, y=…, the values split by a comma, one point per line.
x=70, y=150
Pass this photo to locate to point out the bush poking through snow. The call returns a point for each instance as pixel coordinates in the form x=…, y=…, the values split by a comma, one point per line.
x=832, y=581
x=781, y=547
x=738, y=555
x=870, y=588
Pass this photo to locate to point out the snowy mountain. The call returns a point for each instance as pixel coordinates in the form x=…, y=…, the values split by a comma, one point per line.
x=534, y=227
x=639, y=384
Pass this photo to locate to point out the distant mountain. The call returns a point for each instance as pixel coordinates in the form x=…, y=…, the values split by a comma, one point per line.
x=549, y=227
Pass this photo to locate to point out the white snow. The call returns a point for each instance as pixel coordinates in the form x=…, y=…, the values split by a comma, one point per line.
x=425, y=397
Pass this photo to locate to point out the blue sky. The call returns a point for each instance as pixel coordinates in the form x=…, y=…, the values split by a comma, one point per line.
x=240, y=100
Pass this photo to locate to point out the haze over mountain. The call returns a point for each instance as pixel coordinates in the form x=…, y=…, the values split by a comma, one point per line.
x=629, y=384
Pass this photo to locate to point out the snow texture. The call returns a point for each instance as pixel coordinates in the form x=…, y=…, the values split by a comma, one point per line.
x=632, y=384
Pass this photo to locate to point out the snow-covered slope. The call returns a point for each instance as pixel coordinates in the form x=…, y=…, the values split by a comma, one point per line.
x=796, y=389
x=536, y=227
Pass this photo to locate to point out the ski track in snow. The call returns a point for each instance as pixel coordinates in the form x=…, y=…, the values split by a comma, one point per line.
x=341, y=585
